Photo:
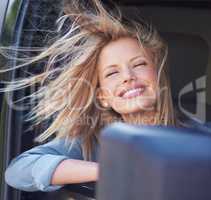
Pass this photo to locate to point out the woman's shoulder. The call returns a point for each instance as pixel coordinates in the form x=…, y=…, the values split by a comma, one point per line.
x=65, y=145
x=74, y=147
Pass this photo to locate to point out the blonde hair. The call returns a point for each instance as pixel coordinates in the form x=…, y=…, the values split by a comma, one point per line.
x=67, y=91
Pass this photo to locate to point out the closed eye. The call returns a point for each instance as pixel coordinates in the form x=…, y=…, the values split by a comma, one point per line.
x=140, y=64
x=110, y=74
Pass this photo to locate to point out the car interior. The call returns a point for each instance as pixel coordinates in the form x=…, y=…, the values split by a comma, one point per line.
x=185, y=25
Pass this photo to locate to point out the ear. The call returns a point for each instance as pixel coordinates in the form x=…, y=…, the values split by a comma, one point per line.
x=101, y=96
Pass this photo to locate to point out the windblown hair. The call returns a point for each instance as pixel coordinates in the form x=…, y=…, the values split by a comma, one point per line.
x=71, y=95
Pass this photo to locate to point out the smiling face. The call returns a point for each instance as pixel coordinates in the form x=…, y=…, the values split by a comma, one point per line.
x=127, y=77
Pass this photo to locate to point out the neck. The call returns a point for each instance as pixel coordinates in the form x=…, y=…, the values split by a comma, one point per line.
x=140, y=118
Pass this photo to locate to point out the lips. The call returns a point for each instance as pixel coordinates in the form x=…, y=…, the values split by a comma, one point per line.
x=132, y=92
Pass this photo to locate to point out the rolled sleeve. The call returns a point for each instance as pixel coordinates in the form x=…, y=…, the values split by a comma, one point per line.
x=43, y=170
x=33, y=169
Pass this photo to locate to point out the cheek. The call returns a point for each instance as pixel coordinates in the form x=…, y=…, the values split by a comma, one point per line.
x=111, y=85
x=150, y=76
x=108, y=88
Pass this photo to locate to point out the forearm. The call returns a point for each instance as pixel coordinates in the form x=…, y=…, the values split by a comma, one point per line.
x=75, y=171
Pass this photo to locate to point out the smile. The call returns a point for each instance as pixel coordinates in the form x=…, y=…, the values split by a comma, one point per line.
x=133, y=93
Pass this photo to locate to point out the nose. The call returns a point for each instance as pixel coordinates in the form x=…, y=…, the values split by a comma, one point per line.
x=128, y=75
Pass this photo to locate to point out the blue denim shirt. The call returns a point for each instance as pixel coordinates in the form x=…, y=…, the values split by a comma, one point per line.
x=32, y=170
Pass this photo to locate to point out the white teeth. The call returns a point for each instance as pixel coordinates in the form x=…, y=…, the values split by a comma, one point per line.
x=129, y=92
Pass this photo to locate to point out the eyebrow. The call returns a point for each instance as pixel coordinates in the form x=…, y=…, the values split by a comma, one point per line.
x=114, y=65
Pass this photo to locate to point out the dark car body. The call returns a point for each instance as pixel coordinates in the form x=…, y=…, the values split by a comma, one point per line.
x=185, y=25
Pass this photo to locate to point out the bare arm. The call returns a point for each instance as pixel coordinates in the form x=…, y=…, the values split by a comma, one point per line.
x=42, y=167
x=75, y=171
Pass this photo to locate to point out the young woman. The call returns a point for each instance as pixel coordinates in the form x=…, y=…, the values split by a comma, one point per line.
x=110, y=69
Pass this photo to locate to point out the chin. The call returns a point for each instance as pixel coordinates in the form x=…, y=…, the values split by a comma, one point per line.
x=134, y=106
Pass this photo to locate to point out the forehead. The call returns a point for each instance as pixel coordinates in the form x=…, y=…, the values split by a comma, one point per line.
x=121, y=50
